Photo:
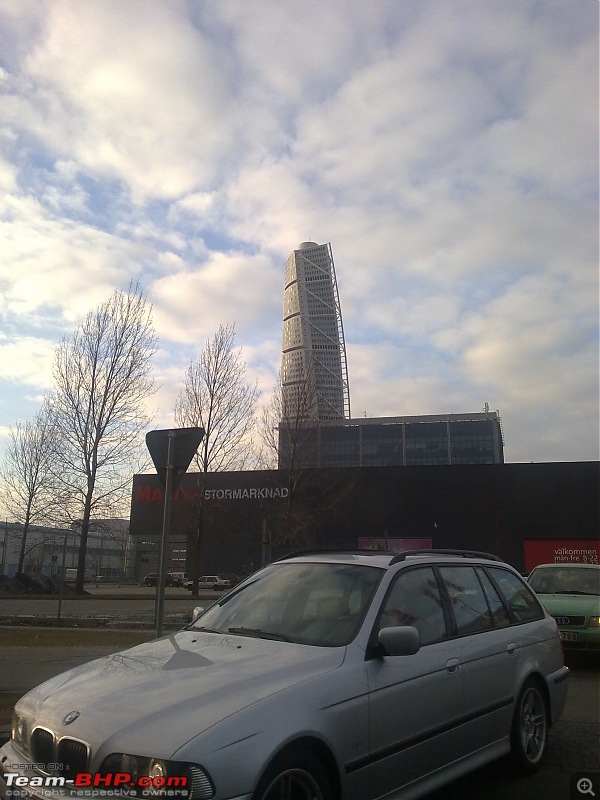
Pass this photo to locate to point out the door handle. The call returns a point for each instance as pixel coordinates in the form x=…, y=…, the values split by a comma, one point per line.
x=452, y=665
x=511, y=648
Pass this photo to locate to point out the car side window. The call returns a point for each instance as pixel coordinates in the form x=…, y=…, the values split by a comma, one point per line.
x=468, y=601
x=415, y=600
x=521, y=601
x=499, y=612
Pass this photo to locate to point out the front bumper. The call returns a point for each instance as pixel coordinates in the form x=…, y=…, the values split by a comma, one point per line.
x=580, y=639
x=12, y=762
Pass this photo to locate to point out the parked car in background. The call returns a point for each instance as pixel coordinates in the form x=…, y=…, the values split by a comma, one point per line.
x=170, y=580
x=571, y=594
x=215, y=582
x=323, y=676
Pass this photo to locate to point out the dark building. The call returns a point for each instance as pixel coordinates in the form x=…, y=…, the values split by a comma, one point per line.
x=518, y=511
x=433, y=440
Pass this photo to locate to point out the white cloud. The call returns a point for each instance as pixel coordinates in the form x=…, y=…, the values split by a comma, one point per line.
x=448, y=151
x=130, y=95
x=57, y=264
x=26, y=360
x=228, y=287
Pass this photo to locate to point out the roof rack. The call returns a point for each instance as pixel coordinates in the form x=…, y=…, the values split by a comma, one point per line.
x=396, y=556
x=435, y=552
x=366, y=551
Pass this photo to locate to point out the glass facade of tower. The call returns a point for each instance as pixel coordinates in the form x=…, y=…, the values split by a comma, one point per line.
x=396, y=442
x=314, y=356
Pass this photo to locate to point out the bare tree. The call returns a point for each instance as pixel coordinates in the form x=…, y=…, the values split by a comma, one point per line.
x=288, y=423
x=289, y=429
x=102, y=381
x=217, y=397
x=27, y=472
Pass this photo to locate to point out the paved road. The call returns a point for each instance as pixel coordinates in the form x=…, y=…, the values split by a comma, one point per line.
x=573, y=752
x=574, y=746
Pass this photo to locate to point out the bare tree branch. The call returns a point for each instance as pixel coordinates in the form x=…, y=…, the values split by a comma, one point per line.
x=26, y=477
x=287, y=421
x=102, y=379
x=288, y=428
x=217, y=397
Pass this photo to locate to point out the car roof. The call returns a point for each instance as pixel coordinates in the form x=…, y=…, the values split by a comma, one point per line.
x=386, y=558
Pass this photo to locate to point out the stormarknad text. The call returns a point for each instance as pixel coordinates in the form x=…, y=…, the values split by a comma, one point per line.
x=149, y=494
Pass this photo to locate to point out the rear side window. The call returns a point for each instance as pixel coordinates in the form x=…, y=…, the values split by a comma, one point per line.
x=468, y=601
x=522, y=603
x=499, y=612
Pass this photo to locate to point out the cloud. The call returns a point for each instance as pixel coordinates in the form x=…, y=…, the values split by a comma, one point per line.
x=136, y=96
x=26, y=361
x=56, y=264
x=227, y=288
x=448, y=151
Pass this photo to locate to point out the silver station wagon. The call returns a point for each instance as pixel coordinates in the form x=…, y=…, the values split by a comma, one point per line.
x=326, y=675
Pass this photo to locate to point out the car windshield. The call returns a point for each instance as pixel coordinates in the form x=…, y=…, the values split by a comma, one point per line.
x=307, y=603
x=566, y=580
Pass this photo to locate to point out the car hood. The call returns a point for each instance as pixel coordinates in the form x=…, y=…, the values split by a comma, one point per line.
x=571, y=604
x=184, y=683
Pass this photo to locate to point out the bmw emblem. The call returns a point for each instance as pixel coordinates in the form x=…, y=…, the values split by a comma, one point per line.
x=71, y=717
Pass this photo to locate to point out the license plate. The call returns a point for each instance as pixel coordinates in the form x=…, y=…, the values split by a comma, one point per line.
x=568, y=636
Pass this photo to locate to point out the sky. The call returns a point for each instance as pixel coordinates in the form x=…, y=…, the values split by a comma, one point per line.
x=448, y=150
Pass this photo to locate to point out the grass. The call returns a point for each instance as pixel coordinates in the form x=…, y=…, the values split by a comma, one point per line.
x=70, y=637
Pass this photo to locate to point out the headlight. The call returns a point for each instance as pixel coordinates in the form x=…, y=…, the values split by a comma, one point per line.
x=20, y=733
x=594, y=622
x=154, y=777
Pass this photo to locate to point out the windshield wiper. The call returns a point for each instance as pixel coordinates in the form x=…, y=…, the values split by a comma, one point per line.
x=260, y=634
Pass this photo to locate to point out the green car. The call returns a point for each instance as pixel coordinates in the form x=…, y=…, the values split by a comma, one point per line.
x=571, y=594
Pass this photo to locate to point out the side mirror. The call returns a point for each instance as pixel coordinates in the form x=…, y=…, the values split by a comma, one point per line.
x=196, y=612
x=401, y=640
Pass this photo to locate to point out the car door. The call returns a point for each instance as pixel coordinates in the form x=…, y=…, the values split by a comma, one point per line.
x=415, y=700
x=489, y=655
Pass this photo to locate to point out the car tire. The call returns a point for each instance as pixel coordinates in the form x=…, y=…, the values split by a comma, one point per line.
x=529, y=732
x=295, y=774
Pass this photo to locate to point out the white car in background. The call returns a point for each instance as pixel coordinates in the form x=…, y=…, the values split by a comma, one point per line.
x=324, y=676
x=215, y=582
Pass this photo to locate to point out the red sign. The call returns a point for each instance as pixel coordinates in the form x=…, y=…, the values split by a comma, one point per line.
x=560, y=551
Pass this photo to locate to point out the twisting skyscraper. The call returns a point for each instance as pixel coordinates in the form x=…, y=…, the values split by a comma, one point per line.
x=313, y=365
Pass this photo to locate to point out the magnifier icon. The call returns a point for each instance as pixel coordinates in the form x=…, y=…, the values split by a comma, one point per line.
x=585, y=786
